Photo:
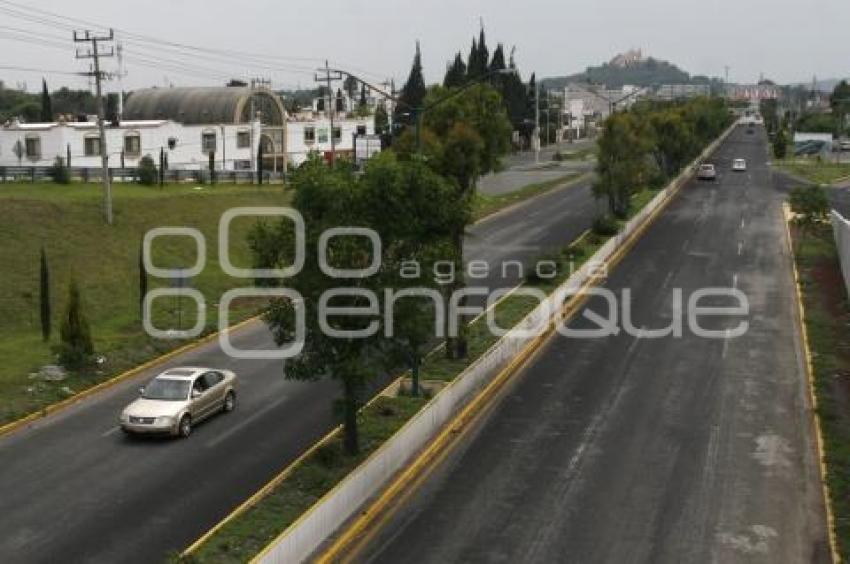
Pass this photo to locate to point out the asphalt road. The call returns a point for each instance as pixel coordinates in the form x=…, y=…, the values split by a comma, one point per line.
x=624, y=449
x=73, y=489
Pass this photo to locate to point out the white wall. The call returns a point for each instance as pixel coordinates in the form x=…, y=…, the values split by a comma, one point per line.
x=187, y=153
x=298, y=149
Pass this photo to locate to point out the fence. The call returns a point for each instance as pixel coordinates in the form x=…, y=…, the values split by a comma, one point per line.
x=95, y=174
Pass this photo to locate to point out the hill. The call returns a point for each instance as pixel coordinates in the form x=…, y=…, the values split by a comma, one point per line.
x=634, y=71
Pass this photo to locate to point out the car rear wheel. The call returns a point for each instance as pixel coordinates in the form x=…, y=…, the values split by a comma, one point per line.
x=229, y=402
x=185, y=427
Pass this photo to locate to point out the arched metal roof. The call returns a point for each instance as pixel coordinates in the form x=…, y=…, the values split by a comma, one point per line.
x=204, y=105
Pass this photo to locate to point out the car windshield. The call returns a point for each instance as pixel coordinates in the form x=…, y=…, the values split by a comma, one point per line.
x=707, y=167
x=167, y=389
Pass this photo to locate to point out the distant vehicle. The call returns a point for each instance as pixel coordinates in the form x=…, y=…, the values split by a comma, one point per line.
x=706, y=172
x=739, y=165
x=844, y=145
x=179, y=398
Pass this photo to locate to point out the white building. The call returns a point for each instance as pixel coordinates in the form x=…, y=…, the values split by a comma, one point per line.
x=236, y=125
x=186, y=147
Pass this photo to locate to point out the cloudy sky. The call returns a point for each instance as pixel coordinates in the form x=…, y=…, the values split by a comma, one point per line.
x=209, y=40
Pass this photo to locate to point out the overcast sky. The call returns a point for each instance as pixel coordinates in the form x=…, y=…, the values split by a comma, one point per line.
x=787, y=40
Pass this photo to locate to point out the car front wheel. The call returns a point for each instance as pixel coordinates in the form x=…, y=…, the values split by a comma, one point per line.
x=184, y=429
x=229, y=402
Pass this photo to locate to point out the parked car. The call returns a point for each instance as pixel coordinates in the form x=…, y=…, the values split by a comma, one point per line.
x=706, y=172
x=178, y=399
x=739, y=165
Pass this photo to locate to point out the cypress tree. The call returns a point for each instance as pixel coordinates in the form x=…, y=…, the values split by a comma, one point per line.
x=455, y=73
x=472, y=60
x=76, y=347
x=414, y=90
x=46, y=104
x=44, y=296
x=143, y=281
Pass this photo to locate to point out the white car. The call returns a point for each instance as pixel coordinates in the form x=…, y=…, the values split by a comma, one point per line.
x=739, y=165
x=179, y=398
x=706, y=172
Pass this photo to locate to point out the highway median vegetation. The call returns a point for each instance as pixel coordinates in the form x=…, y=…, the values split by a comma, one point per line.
x=827, y=319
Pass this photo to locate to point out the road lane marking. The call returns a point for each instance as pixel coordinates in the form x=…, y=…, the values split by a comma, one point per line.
x=740, y=247
x=735, y=280
x=742, y=221
x=110, y=431
x=245, y=422
x=725, y=344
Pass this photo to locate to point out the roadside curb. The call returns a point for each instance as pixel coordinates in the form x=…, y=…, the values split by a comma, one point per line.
x=808, y=366
x=53, y=408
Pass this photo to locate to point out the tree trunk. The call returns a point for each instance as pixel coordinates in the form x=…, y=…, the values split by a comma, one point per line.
x=351, y=436
x=414, y=375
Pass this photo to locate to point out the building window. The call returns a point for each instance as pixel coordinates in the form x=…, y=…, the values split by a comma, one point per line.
x=132, y=145
x=208, y=142
x=91, y=146
x=323, y=135
x=243, y=139
x=33, y=148
x=309, y=134
x=361, y=130
x=337, y=133
x=242, y=165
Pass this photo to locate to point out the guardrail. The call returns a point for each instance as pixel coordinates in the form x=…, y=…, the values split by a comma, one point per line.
x=841, y=232
x=301, y=539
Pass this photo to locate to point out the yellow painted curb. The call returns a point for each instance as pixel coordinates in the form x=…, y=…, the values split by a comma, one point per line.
x=800, y=318
x=67, y=402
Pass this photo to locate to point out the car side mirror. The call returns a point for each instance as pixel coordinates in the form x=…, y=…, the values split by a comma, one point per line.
x=142, y=391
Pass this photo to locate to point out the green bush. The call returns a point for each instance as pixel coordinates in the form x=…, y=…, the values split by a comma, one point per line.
x=59, y=172
x=558, y=156
x=147, y=171
x=605, y=225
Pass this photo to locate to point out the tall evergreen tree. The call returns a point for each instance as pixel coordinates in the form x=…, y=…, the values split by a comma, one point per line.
x=472, y=60
x=479, y=58
x=350, y=86
x=498, y=61
x=143, y=280
x=362, y=96
x=77, y=346
x=46, y=104
x=44, y=296
x=340, y=101
x=455, y=73
x=413, y=92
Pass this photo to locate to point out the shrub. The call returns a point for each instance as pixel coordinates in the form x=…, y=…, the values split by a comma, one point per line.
x=147, y=171
x=59, y=172
x=605, y=225
x=558, y=156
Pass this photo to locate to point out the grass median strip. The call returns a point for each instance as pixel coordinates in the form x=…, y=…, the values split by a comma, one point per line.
x=818, y=172
x=827, y=320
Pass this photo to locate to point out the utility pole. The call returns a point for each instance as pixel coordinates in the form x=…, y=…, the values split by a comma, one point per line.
x=94, y=54
x=328, y=79
x=548, y=112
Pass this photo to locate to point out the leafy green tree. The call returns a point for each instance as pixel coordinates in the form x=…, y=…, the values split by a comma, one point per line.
x=412, y=93
x=44, y=296
x=622, y=161
x=76, y=347
x=674, y=141
x=46, y=105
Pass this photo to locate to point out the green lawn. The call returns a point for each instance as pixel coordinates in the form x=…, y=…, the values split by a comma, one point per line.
x=827, y=315
x=819, y=172
x=67, y=222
